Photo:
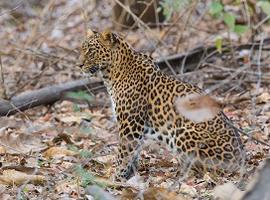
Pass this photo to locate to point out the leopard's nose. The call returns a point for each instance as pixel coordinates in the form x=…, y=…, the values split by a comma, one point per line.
x=81, y=63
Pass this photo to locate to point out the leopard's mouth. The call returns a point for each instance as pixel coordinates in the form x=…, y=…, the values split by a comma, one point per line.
x=89, y=69
x=93, y=69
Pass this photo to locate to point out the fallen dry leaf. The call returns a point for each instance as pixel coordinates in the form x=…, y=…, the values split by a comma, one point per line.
x=20, y=168
x=12, y=176
x=67, y=186
x=137, y=182
x=74, y=118
x=154, y=193
x=5, y=196
x=263, y=98
x=4, y=193
x=71, y=119
x=188, y=189
x=54, y=152
x=2, y=150
x=18, y=143
x=6, y=122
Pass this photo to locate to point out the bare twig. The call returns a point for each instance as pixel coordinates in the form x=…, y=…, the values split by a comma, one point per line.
x=189, y=14
x=171, y=25
x=262, y=22
x=244, y=133
x=3, y=93
x=143, y=12
x=44, y=96
x=140, y=22
x=19, y=4
x=247, y=14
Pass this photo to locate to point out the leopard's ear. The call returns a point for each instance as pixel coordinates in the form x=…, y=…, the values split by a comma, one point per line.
x=90, y=33
x=108, y=38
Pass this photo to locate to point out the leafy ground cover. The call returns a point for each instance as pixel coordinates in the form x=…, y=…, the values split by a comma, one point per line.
x=66, y=150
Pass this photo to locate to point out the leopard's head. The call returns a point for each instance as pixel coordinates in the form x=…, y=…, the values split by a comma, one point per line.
x=97, y=50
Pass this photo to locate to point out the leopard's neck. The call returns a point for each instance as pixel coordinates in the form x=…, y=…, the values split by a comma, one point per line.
x=124, y=67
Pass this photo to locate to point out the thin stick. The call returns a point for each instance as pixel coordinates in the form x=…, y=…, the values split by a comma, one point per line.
x=243, y=132
x=140, y=22
x=19, y=4
x=3, y=93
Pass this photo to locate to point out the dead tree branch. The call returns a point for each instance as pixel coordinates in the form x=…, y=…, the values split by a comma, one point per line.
x=47, y=95
x=2, y=82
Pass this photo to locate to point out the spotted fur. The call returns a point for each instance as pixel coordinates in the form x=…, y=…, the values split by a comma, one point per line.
x=143, y=99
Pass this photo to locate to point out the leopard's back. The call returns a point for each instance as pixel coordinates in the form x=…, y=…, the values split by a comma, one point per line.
x=210, y=144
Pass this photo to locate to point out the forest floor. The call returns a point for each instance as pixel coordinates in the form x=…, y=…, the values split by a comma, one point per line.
x=66, y=150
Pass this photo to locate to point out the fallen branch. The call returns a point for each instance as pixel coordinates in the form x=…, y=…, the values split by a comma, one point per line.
x=180, y=63
x=51, y=94
x=47, y=95
x=2, y=82
x=189, y=61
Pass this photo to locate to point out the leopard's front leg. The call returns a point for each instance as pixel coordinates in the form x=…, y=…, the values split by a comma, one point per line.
x=131, y=140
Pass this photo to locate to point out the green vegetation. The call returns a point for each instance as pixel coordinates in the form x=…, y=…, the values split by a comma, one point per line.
x=87, y=178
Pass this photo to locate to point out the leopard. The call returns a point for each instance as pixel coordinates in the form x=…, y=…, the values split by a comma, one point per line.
x=143, y=102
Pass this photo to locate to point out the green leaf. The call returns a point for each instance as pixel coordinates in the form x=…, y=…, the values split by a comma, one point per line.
x=215, y=8
x=240, y=29
x=87, y=178
x=85, y=154
x=229, y=20
x=86, y=130
x=168, y=7
x=80, y=95
x=218, y=43
x=76, y=107
x=72, y=147
x=247, y=129
x=265, y=6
